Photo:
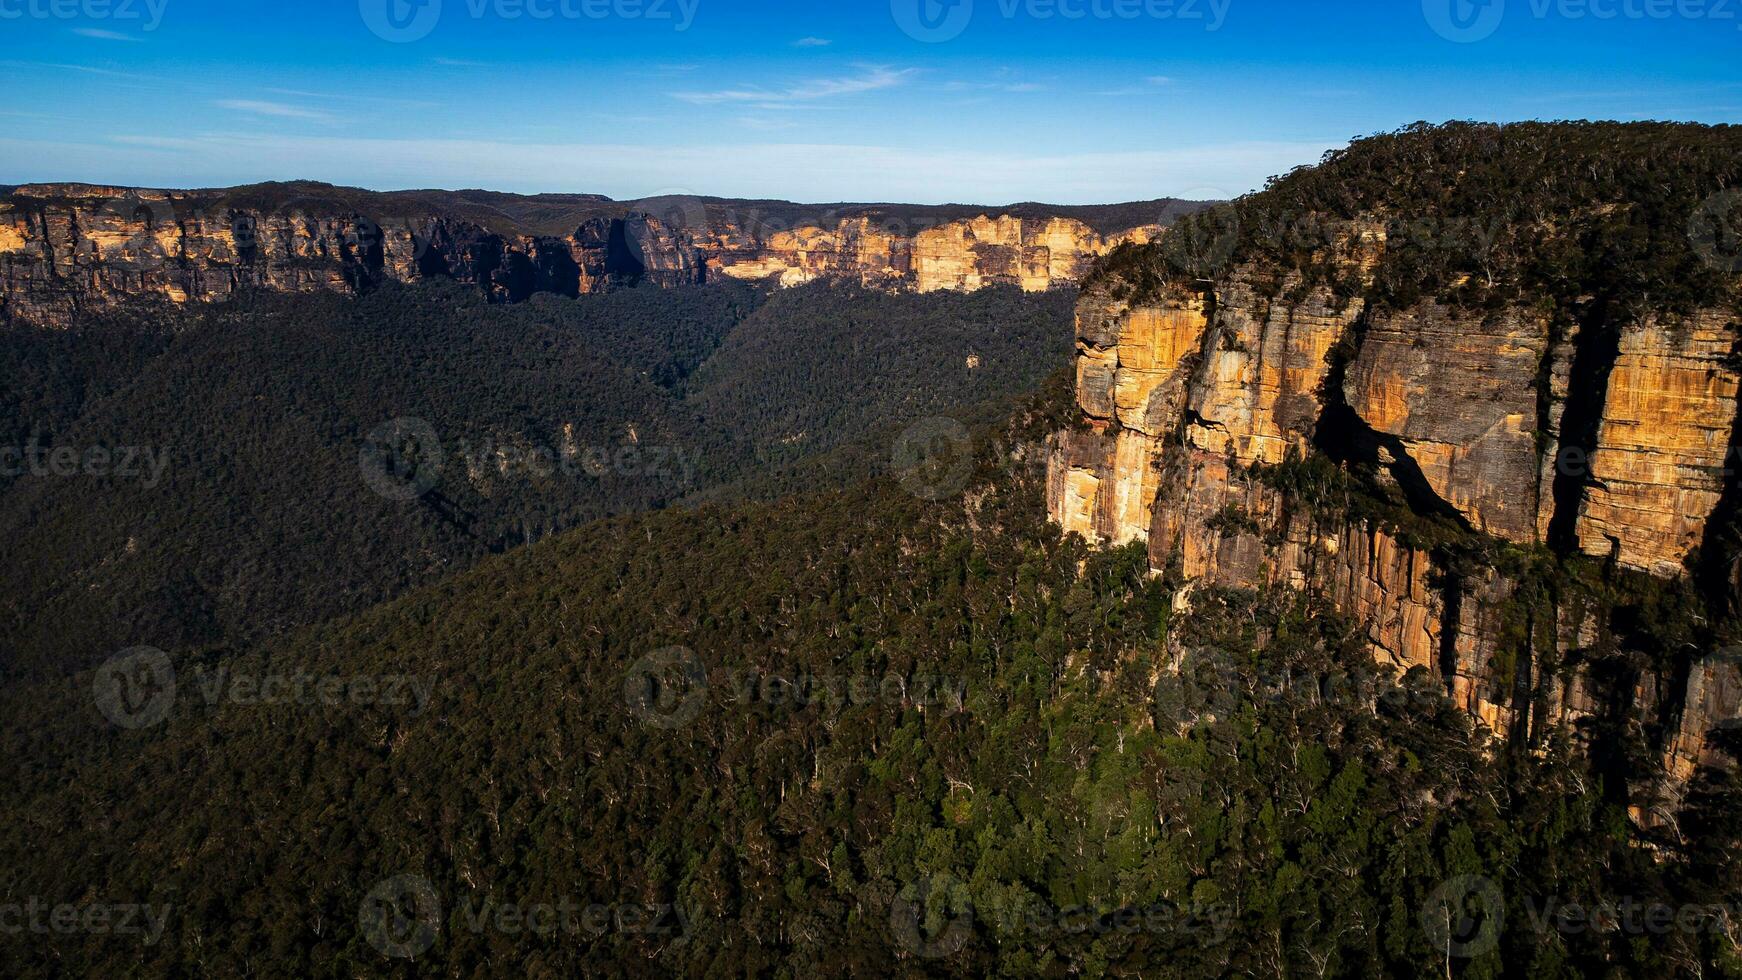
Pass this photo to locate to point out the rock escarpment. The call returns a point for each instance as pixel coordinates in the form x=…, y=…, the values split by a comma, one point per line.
x=1035, y=253
x=64, y=248
x=1197, y=406
x=1532, y=500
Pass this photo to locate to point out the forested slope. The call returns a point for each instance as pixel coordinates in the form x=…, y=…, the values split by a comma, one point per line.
x=851, y=733
x=234, y=498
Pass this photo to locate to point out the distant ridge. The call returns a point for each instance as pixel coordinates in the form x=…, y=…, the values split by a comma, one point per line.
x=558, y=214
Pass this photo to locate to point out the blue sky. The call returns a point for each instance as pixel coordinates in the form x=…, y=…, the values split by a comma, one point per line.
x=928, y=101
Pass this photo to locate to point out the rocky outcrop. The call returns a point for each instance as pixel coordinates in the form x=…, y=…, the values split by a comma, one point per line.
x=1457, y=392
x=1205, y=405
x=65, y=248
x=1035, y=254
x=1663, y=449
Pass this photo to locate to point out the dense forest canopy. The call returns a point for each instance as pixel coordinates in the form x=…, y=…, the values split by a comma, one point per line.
x=801, y=695
x=850, y=733
x=250, y=512
x=1640, y=214
x=1588, y=229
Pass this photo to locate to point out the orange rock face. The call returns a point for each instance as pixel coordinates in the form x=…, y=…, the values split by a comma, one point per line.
x=1036, y=255
x=1185, y=390
x=70, y=247
x=1259, y=393
x=1132, y=372
x=1664, y=446
x=1459, y=392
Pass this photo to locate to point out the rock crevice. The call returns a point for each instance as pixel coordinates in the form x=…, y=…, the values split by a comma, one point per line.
x=1420, y=468
x=68, y=248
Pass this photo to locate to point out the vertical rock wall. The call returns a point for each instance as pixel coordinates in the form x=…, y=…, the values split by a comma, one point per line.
x=73, y=247
x=1188, y=392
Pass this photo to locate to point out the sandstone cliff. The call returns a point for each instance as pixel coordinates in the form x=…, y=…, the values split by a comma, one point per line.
x=1501, y=493
x=69, y=247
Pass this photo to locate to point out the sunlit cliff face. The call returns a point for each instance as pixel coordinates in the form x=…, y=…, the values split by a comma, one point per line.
x=69, y=248
x=1184, y=391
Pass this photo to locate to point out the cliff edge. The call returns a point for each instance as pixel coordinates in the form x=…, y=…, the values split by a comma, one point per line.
x=1477, y=385
x=71, y=247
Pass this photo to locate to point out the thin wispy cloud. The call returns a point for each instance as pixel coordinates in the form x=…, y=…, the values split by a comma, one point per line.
x=618, y=117
x=1015, y=88
x=793, y=107
x=159, y=142
x=1610, y=95
x=741, y=168
x=1151, y=83
x=357, y=99
x=812, y=42
x=765, y=125
x=82, y=69
x=279, y=110
x=869, y=80
x=461, y=63
x=1677, y=112
x=103, y=35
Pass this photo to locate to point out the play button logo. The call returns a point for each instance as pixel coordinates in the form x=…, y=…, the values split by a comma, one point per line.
x=401, y=21
x=932, y=21
x=1464, y=21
